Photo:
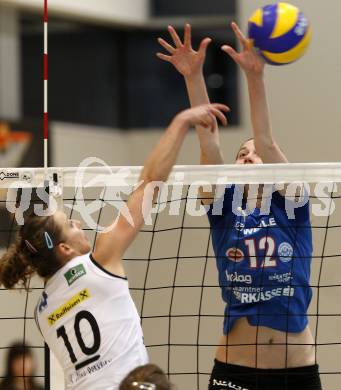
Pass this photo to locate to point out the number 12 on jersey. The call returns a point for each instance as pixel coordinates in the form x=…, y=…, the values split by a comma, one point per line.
x=266, y=244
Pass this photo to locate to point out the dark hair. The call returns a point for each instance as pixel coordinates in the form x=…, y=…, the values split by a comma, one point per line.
x=30, y=253
x=16, y=350
x=149, y=373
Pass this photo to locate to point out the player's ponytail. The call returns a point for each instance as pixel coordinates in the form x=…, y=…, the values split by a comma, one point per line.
x=32, y=252
x=14, y=267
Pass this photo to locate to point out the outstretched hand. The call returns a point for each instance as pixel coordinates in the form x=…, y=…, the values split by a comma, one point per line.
x=185, y=59
x=205, y=115
x=247, y=59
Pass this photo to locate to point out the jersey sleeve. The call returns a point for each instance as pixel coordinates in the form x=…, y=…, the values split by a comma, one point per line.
x=222, y=206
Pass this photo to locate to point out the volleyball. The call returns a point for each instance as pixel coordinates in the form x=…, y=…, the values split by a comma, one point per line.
x=280, y=33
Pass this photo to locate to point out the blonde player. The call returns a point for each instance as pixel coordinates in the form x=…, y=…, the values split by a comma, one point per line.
x=263, y=261
x=86, y=314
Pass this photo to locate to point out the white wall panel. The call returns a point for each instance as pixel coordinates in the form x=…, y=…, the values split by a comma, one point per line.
x=102, y=11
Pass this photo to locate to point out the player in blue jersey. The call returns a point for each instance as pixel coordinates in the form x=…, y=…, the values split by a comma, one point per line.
x=263, y=259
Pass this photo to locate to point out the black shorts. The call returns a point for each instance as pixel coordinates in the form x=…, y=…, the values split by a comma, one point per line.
x=228, y=376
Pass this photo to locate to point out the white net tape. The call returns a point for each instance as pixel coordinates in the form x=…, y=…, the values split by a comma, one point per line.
x=171, y=265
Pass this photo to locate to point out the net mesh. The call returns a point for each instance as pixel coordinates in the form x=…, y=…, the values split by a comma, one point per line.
x=171, y=265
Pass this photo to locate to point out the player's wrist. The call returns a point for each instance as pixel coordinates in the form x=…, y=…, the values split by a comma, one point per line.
x=252, y=75
x=182, y=121
x=195, y=76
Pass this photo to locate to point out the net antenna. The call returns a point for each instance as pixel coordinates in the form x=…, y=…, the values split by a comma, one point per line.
x=46, y=118
x=52, y=181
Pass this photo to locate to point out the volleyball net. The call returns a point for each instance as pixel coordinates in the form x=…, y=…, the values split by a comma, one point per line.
x=171, y=266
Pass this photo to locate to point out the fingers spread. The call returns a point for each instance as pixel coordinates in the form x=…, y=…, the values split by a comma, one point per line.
x=175, y=36
x=203, y=45
x=164, y=57
x=241, y=37
x=230, y=51
x=166, y=45
x=188, y=36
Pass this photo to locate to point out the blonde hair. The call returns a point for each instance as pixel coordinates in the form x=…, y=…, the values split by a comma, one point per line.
x=240, y=147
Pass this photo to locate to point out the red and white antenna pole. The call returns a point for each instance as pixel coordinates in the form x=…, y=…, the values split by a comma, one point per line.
x=46, y=118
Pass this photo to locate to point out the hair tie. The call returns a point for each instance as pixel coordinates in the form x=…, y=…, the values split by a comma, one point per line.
x=48, y=240
x=30, y=247
x=144, y=385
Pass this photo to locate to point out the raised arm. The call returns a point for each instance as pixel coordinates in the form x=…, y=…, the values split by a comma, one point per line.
x=111, y=245
x=189, y=63
x=253, y=67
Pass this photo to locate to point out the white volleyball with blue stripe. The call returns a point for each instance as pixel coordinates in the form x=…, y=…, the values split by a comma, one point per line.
x=280, y=33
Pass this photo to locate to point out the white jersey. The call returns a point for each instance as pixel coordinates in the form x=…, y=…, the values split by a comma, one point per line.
x=90, y=322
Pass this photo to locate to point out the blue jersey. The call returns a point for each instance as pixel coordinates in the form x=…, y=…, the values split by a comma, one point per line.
x=264, y=264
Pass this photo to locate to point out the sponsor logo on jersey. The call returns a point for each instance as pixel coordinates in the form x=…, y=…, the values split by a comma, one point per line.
x=240, y=226
x=91, y=369
x=43, y=302
x=68, y=306
x=235, y=277
x=263, y=224
x=281, y=278
x=285, y=252
x=74, y=274
x=264, y=296
x=235, y=254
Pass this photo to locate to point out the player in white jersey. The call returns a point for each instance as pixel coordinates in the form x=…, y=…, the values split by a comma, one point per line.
x=104, y=329
x=86, y=314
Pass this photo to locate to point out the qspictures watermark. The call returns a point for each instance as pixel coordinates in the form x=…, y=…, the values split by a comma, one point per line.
x=242, y=199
